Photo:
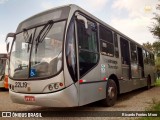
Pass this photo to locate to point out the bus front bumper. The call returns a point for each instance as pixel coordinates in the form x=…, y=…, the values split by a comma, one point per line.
x=64, y=98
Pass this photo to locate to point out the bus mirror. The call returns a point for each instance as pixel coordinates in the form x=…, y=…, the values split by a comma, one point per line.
x=7, y=47
x=80, y=17
x=9, y=35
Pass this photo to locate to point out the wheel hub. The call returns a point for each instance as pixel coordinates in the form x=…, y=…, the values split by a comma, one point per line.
x=111, y=93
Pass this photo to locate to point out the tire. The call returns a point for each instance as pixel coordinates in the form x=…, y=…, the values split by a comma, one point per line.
x=111, y=93
x=148, y=82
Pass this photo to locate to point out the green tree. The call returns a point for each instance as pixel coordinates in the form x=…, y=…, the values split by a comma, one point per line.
x=155, y=29
x=148, y=45
x=157, y=63
x=156, y=47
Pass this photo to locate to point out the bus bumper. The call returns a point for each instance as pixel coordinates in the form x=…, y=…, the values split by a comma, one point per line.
x=67, y=97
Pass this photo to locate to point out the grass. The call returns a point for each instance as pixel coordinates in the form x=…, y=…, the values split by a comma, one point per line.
x=155, y=106
x=157, y=82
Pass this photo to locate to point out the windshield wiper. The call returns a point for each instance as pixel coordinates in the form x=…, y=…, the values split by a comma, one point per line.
x=28, y=38
x=42, y=34
x=25, y=35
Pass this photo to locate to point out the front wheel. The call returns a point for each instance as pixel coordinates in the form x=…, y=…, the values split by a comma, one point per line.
x=111, y=93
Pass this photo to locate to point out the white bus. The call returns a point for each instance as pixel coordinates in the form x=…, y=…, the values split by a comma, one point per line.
x=66, y=57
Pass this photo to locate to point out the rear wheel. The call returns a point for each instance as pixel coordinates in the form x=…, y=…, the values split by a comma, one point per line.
x=111, y=93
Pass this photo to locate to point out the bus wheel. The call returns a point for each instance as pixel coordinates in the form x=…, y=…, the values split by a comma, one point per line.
x=148, y=82
x=111, y=93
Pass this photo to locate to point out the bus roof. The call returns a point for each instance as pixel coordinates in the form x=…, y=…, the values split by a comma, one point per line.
x=54, y=14
x=71, y=8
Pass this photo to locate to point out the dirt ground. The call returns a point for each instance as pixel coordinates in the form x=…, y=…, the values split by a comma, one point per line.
x=138, y=100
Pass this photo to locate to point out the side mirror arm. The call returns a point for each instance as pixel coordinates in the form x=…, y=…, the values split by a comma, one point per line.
x=80, y=17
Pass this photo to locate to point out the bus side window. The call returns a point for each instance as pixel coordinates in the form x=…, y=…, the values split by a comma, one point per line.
x=144, y=56
x=147, y=57
x=133, y=52
x=125, y=51
x=106, y=40
x=116, y=50
x=153, y=62
x=151, y=59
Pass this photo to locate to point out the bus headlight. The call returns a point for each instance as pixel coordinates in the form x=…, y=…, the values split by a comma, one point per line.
x=50, y=87
x=56, y=86
x=53, y=87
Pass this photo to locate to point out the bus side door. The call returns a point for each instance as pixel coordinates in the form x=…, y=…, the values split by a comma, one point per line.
x=88, y=58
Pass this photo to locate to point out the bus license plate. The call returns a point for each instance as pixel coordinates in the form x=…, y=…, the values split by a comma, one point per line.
x=29, y=98
x=21, y=84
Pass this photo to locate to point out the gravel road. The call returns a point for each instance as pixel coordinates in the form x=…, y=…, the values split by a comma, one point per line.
x=138, y=100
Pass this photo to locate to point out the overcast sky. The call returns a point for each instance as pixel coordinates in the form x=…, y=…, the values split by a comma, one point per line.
x=131, y=17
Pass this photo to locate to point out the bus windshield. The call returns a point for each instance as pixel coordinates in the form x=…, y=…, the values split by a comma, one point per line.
x=37, y=52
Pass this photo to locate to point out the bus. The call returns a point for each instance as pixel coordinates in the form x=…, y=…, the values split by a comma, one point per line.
x=3, y=58
x=66, y=57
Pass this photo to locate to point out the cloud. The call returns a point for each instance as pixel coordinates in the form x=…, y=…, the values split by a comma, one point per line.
x=135, y=8
x=47, y=5
x=96, y=4
x=90, y=5
x=137, y=20
x=3, y=1
x=51, y=4
x=2, y=37
x=137, y=28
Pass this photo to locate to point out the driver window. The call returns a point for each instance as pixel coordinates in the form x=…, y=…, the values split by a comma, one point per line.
x=71, y=52
x=88, y=46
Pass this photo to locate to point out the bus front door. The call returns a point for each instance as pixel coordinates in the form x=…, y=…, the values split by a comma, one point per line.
x=88, y=59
